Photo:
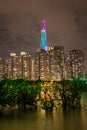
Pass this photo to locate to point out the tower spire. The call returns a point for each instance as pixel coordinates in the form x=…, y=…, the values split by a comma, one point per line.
x=43, y=44
x=43, y=26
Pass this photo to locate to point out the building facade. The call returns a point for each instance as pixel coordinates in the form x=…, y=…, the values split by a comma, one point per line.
x=74, y=64
x=19, y=66
x=49, y=64
x=1, y=68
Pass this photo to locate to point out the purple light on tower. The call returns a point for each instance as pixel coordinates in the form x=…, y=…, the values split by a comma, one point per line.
x=43, y=26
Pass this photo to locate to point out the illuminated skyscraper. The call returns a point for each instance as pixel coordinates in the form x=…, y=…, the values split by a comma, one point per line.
x=74, y=64
x=49, y=64
x=43, y=44
x=49, y=61
x=25, y=65
x=32, y=69
x=19, y=66
x=1, y=67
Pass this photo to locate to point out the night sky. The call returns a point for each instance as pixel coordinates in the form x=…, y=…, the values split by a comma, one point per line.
x=20, y=24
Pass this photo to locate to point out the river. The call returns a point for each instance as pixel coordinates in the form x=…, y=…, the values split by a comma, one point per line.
x=41, y=120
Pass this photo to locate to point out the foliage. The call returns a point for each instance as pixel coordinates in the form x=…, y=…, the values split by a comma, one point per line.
x=66, y=93
x=49, y=95
x=19, y=92
x=25, y=94
x=70, y=94
x=47, y=100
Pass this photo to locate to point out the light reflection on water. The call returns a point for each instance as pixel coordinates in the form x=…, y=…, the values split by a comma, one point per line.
x=41, y=120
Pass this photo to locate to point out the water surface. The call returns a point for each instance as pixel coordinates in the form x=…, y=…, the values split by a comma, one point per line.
x=41, y=120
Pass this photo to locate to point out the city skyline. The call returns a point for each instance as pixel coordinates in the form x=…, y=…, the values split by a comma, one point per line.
x=20, y=25
x=50, y=64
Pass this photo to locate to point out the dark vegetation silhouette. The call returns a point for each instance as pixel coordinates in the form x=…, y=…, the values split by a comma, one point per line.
x=24, y=94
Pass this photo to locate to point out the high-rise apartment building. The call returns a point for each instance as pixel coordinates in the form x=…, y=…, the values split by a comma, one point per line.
x=49, y=64
x=19, y=66
x=74, y=64
x=25, y=65
x=32, y=69
x=1, y=68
